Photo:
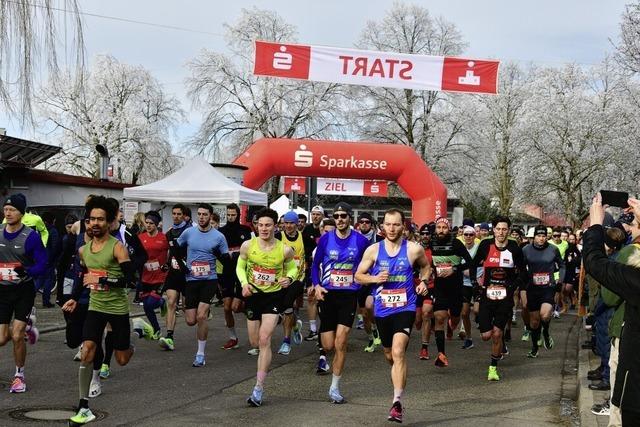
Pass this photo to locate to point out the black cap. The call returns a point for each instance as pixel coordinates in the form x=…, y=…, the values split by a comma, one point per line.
x=425, y=229
x=345, y=207
x=540, y=229
x=365, y=215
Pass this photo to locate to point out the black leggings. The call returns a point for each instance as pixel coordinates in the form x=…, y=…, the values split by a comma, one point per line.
x=73, y=332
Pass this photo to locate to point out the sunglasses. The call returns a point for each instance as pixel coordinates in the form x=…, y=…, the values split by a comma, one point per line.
x=341, y=216
x=365, y=221
x=555, y=235
x=468, y=234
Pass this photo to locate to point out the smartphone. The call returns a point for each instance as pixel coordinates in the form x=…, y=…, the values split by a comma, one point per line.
x=615, y=198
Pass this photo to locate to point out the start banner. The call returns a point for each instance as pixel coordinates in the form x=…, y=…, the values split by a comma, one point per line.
x=373, y=68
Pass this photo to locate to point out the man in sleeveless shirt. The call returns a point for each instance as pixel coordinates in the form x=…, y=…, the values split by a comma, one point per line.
x=266, y=268
x=388, y=265
x=108, y=272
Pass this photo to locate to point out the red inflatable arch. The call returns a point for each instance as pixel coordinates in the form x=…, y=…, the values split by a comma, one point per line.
x=268, y=157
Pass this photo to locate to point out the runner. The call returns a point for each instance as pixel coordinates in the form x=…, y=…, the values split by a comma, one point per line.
x=153, y=277
x=470, y=243
x=176, y=275
x=542, y=260
x=292, y=238
x=448, y=253
x=108, y=273
x=22, y=257
x=388, y=265
x=311, y=235
x=366, y=227
x=265, y=269
x=236, y=234
x=559, y=240
x=204, y=245
x=424, y=310
x=337, y=256
x=504, y=272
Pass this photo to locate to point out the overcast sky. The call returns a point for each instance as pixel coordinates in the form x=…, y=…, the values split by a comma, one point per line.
x=544, y=32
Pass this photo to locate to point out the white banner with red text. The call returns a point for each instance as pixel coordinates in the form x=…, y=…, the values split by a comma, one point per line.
x=342, y=187
x=373, y=68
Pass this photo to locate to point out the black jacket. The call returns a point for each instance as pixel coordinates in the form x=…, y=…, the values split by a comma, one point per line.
x=624, y=280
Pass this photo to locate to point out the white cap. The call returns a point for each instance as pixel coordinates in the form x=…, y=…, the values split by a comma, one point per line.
x=317, y=208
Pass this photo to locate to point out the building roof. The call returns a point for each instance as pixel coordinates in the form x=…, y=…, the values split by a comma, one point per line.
x=19, y=152
x=39, y=175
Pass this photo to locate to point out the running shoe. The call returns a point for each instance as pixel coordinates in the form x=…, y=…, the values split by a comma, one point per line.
x=556, y=314
x=370, y=348
x=199, y=361
x=323, y=366
x=505, y=349
x=395, y=413
x=253, y=352
x=532, y=354
x=492, y=375
x=442, y=361
x=78, y=355
x=285, y=348
x=231, y=344
x=467, y=344
x=18, y=385
x=256, y=397
x=312, y=336
x=95, y=389
x=376, y=337
x=424, y=354
x=167, y=343
x=548, y=343
x=604, y=409
x=525, y=335
x=32, y=335
x=105, y=371
x=163, y=308
x=297, y=332
x=335, y=396
x=83, y=416
x=142, y=328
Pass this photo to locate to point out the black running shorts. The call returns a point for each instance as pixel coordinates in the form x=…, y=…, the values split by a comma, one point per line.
x=199, y=291
x=338, y=308
x=538, y=296
x=494, y=313
x=449, y=298
x=399, y=323
x=16, y=301
x=263, y=303
x=95, y=323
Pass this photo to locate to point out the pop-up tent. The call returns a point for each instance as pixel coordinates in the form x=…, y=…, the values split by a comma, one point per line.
x=281, y=205
x=197, y=181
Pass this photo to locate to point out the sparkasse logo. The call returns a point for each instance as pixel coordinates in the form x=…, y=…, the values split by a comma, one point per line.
x=303, y=158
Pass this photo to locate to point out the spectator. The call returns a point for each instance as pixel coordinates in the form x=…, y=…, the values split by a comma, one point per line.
x=54, y=250
x=624, y=280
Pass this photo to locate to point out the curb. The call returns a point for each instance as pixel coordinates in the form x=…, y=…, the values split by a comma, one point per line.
x=585, y=396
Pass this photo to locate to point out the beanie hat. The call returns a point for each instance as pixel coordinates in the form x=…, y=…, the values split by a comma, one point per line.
x=540, y=229
x=153, y=216
x=18, y=201
x=290, y=216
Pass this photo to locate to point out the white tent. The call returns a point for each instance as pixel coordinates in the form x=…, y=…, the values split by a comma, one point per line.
x=197, y=181
x=282, y=206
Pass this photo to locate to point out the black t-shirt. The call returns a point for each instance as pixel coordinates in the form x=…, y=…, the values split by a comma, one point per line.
x=310, y=237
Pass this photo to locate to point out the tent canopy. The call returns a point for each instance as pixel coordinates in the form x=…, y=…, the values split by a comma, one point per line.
x=197, y=181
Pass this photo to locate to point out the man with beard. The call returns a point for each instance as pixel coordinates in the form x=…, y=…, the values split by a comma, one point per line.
x=337, y=256
x=424, y=310
x=204, y=245
x=236, y=234
x=108, y=273
x=388, y=265
x=448, y=253
x=504, y=272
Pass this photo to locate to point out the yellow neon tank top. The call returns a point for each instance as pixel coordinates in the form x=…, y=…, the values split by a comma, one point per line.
x=298, y=251
x=264, y=268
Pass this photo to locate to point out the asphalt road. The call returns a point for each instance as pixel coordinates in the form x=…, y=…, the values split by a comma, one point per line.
x=159, y=388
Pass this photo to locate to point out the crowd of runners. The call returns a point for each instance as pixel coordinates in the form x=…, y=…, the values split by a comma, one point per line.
x=386, y=278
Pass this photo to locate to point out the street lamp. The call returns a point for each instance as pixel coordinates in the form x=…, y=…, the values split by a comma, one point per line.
x=104, y=161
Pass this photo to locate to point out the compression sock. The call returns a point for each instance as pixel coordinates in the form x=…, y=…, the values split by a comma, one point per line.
x=545, y=329
x=440, y=341
x=108, y=348
x=84, y=380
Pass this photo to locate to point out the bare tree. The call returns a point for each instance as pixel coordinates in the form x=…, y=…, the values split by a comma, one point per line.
x=239, y=107
x=29, y=34
x=628, y=49
x=120, y=106
x=428, y=121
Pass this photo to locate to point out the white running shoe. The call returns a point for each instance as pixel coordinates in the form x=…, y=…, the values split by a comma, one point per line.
x=95, y=389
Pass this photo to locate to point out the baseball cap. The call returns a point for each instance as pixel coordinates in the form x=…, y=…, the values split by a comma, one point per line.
x=345, y=207
x=540, y=229
x=317, y=208
x=484, y=226
x=290, y=216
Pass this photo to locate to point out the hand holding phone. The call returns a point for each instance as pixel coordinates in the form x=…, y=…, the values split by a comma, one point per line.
x=615, y=198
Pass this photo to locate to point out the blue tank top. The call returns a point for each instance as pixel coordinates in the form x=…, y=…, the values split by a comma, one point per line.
x=399, y=293
x=340, y=259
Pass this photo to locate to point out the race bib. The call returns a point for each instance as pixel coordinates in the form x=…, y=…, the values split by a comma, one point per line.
x=152, y=265
x=200, y=268
x=174, y=264
x=67, y=286
x=496, y=293
x=264, y=276
x=393, y=298
x=7, y=270
x=444, y=268
x=541, y=279
x=97, y=286
x=341, y=278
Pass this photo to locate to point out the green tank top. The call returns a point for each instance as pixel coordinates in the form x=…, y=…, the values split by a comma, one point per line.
x=264, y=268
x=110, y=301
